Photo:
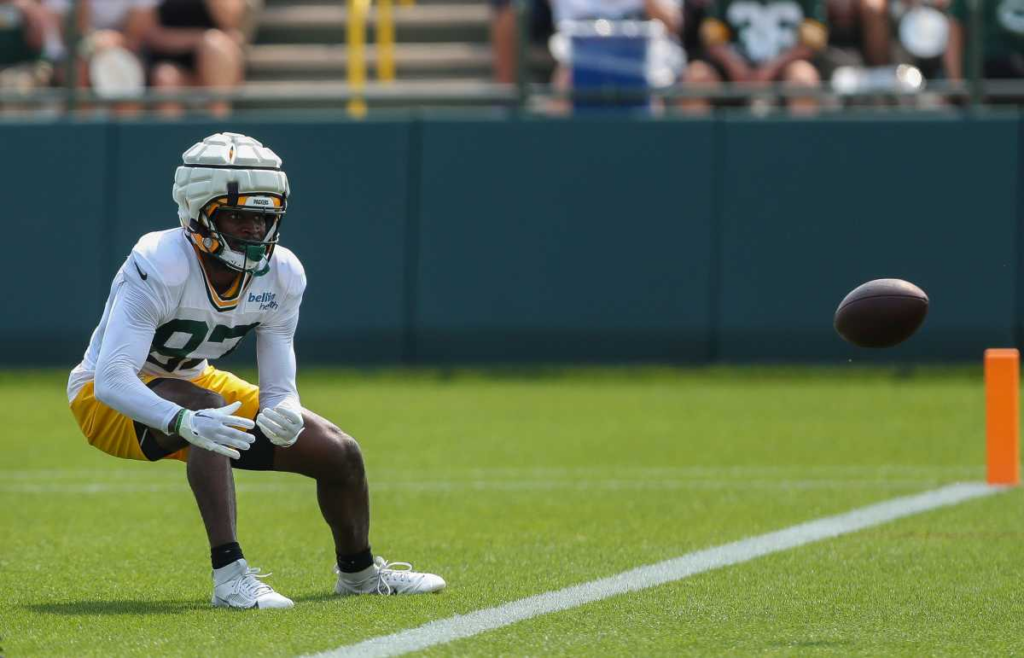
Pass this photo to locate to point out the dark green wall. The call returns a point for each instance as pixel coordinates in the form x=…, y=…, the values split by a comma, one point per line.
x=813, y=208
x=597, y=239
x=54, y=216
x=535, y=245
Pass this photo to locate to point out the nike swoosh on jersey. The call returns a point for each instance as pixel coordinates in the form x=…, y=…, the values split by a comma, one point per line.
x=139, y=270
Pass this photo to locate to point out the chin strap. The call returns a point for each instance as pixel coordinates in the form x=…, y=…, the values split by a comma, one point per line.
x=263, y=270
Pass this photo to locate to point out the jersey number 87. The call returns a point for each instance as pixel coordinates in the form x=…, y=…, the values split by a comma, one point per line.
x=198, y=333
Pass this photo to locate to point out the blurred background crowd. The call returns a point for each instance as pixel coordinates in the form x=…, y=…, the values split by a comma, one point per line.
x=125, y=45
x=701, y=54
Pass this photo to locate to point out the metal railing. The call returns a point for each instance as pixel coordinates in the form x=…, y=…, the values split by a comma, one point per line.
x=358, y=13
x=358, y=99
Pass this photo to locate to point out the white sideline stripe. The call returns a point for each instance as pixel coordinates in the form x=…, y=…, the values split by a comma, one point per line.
x=459, y=627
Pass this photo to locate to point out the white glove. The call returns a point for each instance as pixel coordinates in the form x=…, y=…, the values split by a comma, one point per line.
x=214, y=430
x=282, y=425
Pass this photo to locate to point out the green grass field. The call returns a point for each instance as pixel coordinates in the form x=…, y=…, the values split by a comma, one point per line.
x=512, y=484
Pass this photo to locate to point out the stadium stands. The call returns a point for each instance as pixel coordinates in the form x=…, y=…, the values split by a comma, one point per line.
x=308, y=54
x=441, y=44
x=26, y=30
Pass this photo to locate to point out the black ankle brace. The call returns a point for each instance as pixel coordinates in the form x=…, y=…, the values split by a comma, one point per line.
x=225, y=554
x=355, y=562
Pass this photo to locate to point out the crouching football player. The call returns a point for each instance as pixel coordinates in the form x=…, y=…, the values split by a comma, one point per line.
x=146, y=391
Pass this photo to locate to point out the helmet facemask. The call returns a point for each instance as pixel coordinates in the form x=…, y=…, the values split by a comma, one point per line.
x=241, y=253
x=229, y=171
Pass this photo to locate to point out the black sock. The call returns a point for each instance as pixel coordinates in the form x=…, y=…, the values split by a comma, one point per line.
x=225, y=554
x=355, y=562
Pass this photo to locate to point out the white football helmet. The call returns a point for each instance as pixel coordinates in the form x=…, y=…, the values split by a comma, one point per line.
x=228, y=172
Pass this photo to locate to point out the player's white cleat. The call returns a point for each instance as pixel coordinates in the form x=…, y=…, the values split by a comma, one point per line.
x=385, y=577
x=238, y=586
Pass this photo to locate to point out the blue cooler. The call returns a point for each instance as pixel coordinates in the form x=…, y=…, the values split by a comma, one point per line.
x=609, y=55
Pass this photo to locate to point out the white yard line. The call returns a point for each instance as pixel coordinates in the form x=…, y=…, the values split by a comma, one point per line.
x=463, y=626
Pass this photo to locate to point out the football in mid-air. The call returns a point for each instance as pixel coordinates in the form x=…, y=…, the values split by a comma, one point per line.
x=881, y=313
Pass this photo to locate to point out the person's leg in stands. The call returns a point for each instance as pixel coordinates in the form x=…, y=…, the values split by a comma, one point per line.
x=166, y=76
x=802, y=73
x=699, y=74
x=503, y=41
x=219, y=63
x=874, y=17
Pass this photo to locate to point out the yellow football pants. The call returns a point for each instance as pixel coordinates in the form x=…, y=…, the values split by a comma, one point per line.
x=114, y=433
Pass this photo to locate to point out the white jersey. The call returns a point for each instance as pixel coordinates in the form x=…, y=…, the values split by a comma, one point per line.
x=164, y=318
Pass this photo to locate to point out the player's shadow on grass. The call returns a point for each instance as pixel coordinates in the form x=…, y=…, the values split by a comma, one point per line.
x=117, y=607
x=83, y=608
x=319, y=597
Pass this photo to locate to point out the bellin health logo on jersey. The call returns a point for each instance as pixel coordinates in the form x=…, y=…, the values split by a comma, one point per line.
x=264, y=299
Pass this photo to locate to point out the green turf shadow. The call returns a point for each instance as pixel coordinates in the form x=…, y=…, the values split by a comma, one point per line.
x=116, y=607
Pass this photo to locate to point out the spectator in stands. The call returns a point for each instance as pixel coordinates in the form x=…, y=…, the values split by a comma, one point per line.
x=759, y=42
x=104, y=25
x=858, y=34
x=694, y=13
x=1002, y=48
x=504, y=34
x=197, y=43
x=27, y=38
